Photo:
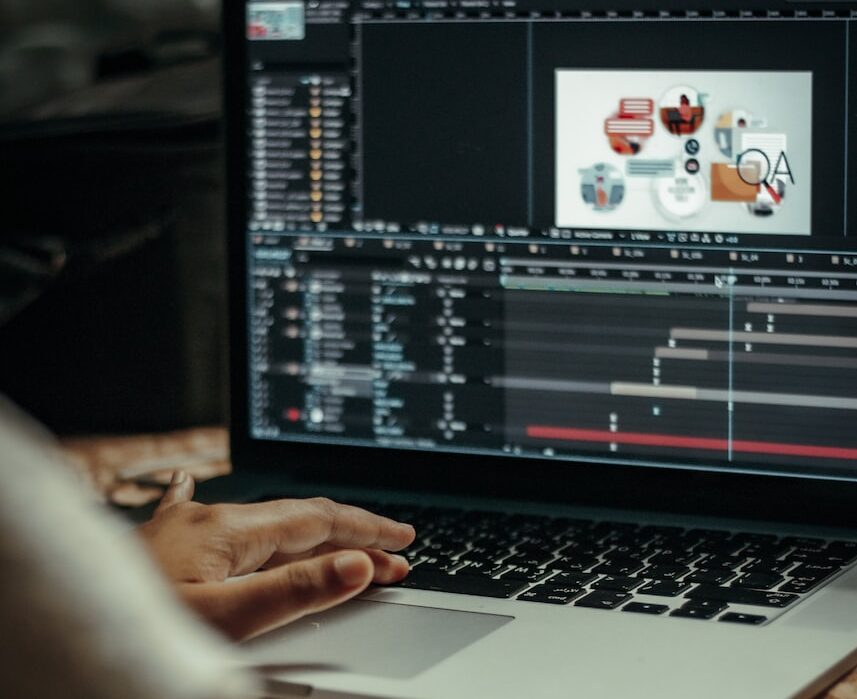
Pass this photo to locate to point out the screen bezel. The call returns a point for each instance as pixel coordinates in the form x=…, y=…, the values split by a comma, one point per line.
x=714, y=493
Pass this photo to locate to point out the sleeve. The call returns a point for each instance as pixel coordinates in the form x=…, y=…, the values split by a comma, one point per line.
x=83, y=611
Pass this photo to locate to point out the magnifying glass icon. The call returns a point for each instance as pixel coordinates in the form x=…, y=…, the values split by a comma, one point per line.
x=754, y=168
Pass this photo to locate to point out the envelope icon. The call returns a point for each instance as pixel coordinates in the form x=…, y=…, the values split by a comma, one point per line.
x=727, y=185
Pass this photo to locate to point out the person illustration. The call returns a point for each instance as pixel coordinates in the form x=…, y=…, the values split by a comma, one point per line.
x=684, y=109
x=601, y=198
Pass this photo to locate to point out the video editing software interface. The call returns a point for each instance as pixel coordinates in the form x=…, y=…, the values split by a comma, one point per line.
x=512, y=227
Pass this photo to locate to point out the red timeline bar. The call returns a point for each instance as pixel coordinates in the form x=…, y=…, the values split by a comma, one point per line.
x=670, y=440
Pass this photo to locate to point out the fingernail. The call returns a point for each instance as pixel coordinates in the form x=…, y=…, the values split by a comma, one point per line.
x=351, y=568
x=178, y=477
x=403, y=560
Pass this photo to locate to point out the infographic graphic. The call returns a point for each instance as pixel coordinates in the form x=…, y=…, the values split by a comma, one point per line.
x=276, y=21
x=720, y=151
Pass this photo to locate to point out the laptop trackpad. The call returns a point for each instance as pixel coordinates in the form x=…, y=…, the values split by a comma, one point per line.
x=372, y=638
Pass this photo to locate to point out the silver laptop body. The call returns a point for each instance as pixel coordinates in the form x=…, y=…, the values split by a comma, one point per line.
x=573, y=288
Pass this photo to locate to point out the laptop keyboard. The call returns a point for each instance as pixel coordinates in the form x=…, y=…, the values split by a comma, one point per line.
x=737, y=577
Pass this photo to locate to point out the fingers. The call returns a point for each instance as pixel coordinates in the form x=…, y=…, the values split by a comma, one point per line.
x=389, y=568
x=246, y=607
x=180, y=490
x=297, y=526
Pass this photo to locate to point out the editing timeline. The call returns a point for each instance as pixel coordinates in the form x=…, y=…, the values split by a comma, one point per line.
x=562, y=252
x=556, y=350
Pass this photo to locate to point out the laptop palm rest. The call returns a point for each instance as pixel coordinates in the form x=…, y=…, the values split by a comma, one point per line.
x=372, y=638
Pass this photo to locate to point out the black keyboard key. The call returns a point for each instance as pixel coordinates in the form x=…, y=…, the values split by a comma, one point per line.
x=537, y=548
x=718, y=548
x=842, y=551
x=664, y=588
x=572, y=578
x=773, y=550
x=437, y=531
x=801, y=585
x=673, y=557
x=481, y=569
x=715, y=576
x=804, y=543
x=462, y=584
x=527, y=574
x=839, y=559
x=813, y=558
x=485, y=554
x=658, y=531
x=573, y=563
x=759, y=581
x=548, y=594
x=725, y=562
x=452, y=540
x=693, y=613
x=664, y=571
x=493, y=542
x=770, y=566
x=438, y=565
x=633, y=553
x=560, y=525
x=580, y=549
x=526, y=522
x=814, y=570
x=573, y=524
x=698, y=610
x=645, y=608
x=602, y=530
x=741, y=595
x=755, y=538
x=603, y=599
x=843, y=546
x=709, y=534
x=738, y=618
x=622, y=583
x=707, y=604
x=620, y=566
x=529, y=560
x=632, y=538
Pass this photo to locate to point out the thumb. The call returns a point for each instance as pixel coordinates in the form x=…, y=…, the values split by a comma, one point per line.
x=180, y=490
x=248, y=606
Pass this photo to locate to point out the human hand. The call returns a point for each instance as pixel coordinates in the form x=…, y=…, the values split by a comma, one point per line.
x=310, y=554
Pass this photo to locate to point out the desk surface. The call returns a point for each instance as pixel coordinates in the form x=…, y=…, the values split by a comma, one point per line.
x=131, y=472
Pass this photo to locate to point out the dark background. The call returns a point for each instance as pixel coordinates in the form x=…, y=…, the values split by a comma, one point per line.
x=445, y=123
x=112, y=280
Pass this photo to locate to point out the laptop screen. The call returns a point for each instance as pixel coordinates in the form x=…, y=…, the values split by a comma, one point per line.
x=519, y=228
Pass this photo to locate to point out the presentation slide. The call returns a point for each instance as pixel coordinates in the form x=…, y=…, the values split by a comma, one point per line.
x=701, y=151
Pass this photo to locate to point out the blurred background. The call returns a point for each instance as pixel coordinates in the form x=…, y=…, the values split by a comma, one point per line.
x=112, y=280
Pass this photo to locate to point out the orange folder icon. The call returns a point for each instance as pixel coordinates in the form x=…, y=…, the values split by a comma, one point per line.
x=727, y=185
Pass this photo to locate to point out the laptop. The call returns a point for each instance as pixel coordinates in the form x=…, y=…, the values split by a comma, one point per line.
x=573, y=289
